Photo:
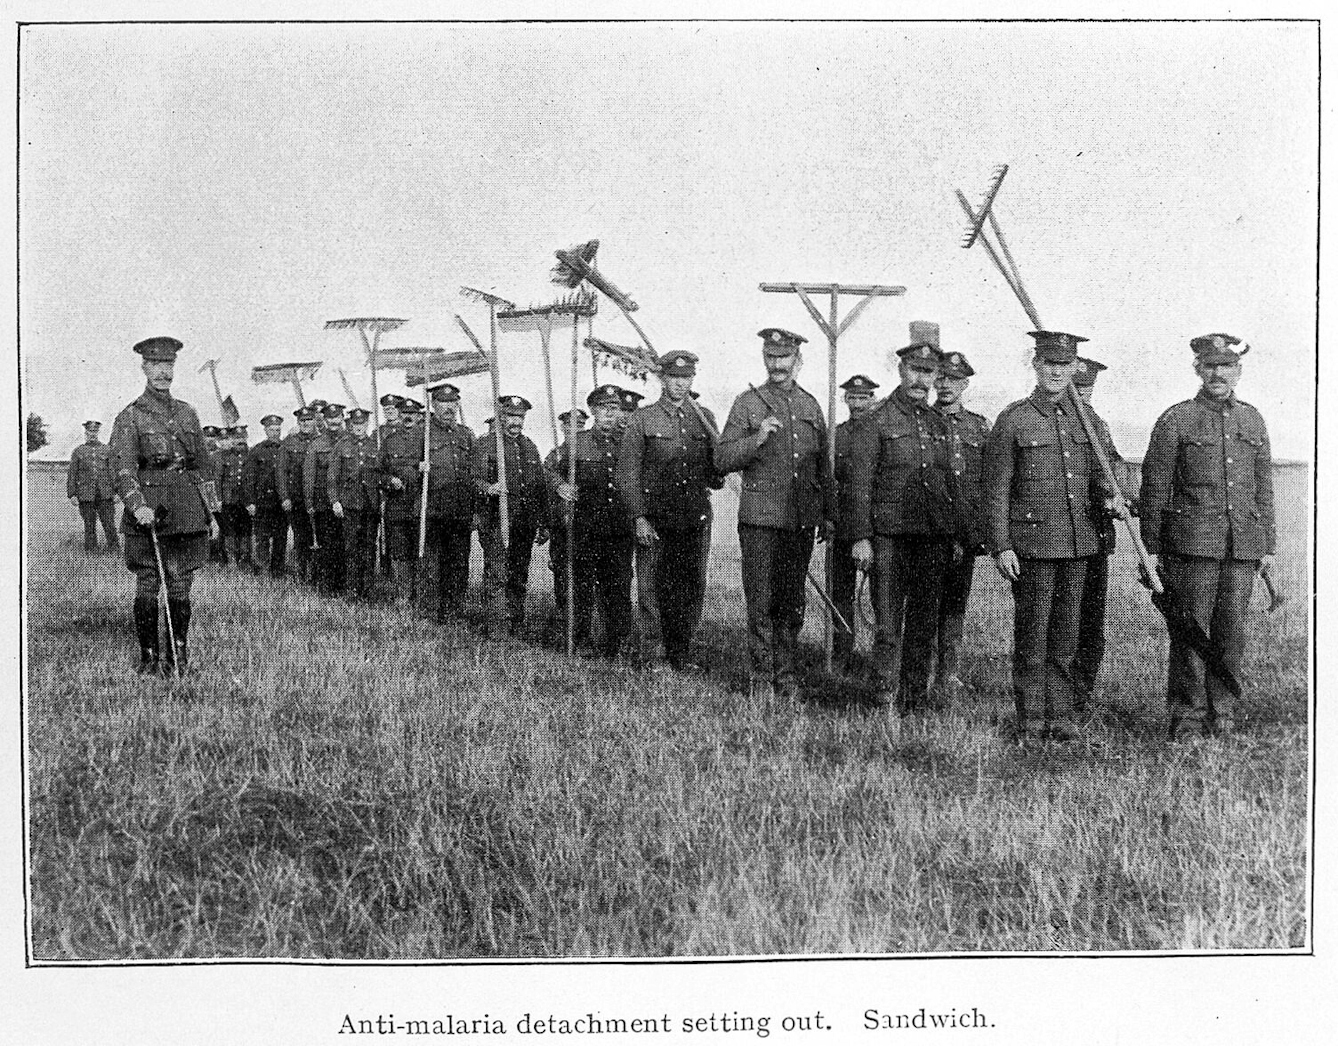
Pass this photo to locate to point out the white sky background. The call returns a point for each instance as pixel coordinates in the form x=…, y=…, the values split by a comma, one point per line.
x=236, y=186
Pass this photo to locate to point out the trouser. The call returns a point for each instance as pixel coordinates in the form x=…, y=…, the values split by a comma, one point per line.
x=774, y=565
x=218, y=547
x=235, y=531
x=602, y=575
x=557, y=563
x=328, y=560
x=270, y=535
x=1091, y=628
x=506, y=571
x=678, y=580
x=299, y=519
x=444, y=568
x=1047, y=597
x=953, y=599
x=648, y=611
x=359, y=550
x=92, y=512
x=182, y=555
x=908, y=579
x=1217, y=593
x=845, y=577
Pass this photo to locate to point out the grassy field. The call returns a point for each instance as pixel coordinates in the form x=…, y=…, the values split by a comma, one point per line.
x=347, y=782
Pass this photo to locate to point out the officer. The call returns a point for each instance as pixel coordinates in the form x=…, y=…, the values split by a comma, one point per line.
x=158, y=458
x=557, y=519
x=355, y=497
x=450, y=503
x=966, y=434
x=902, y=521
x=401, y=454
x=629, y=401
x=601, y=529
x=1041, y=482
x=329, y=528
x=260, y=481
x=236, y=528
x=213, y=442
x=857, y=391
x=90, y=488
x=665, y=475
x=288, y=475
x=506, y=569
x=390, y=412
x=643, y=557
x=1207, y=511
x=319, y=406
x=776, y=437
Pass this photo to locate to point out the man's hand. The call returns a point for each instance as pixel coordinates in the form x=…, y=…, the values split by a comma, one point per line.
x=769, y=425
x=288, y=504
x=424, y=466
x=1007, y=565
x=144, y=516
x=213, y=530
x=645, y=533
x=567, y=493
x=337, y=509
x=862, y=553
x=74, y=502
x=250, y=510
x=825, y=531
x=1266, y=564
x=396, y=483
x=497, y=488
x=541, y=536
x=958, y=552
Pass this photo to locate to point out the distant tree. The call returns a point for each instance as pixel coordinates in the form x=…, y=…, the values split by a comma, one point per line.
x=36, y=433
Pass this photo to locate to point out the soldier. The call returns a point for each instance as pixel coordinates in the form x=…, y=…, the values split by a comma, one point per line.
x=450, y=503
x=643, y=556
x=858, y=394
x=329, y=528
x=90, y=487
x=401, y=454
x=506, y=570
x=213, y=438
x=601, y=529
x=288, y=475
x=390, y=413
x=159, y=460
x=1041, y=481
x=260, y=480
x=902, y=521
x=236, y=526
x=557, y=520
x=665, y=474
x=1207, y=510
x=776, y=437
x=966, y=434
x=355, y=497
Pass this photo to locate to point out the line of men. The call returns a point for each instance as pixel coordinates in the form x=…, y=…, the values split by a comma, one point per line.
x=921, y=487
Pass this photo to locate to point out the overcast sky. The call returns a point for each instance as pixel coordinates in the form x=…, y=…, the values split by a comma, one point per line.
x=236, y=186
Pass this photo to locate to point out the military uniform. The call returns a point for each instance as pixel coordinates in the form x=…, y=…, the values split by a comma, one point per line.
x=217, y=547
x=601, y=532
x=1207, y=509
x=665, y=474
x=902, y=505
x=261, y=485
x=159, y=460
x=1041, y=485
x=787, y=491
x=328, y=559
x=235, y=522
x=450, y=509
x=288, y=475
x=557, y=515
x=352, y=483
x=401, y=453
x=845, y=572
x=89, y=481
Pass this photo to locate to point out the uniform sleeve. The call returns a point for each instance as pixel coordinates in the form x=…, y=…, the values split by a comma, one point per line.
x=478, y=467
x=282, y=463
x=334, y=473
x=124, y=445
x=249, y=476
x=71, y=482
x=739, y=442
x=865, y=445
x=715, y=476
x=1158, y=471
x=996, y=481
x=1263, y=491
x=630, y=452
x=309, y=471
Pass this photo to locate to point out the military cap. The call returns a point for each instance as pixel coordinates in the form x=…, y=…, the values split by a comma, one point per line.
x=445, y=393
x=271, y=419
x=357, y=415
x=409, y=406
x=564, y=419
x=1087, y=371
x=235, y=430
x=92, y=424
x=1056, y=346
x=159, y=350
x=955, y=365
x=391, y=400
x=923, y=356
x=333, y=410
x=514, y=404
x=603, y=396
x=776, y=341
x=305, y=413
x=629, y=399
x=212, y=431
x=318, y=404
x=1217, y=348
x=858, y=385
x=678, y=364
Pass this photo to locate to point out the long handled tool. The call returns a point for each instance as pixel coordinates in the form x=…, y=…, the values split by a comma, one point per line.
x=167, y=598
x=494, y=303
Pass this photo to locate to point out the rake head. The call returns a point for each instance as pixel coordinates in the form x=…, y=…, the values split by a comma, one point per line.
x=634, y=361
x=574, y=262
x=367, y=323
x=273, y=373
x=973, y=227
x=473, y=294
x=447, y=365
x=569, y=274
x=561, y=313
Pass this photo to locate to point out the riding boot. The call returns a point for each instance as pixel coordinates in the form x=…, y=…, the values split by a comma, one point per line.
x=180, y=613
x=146, y=628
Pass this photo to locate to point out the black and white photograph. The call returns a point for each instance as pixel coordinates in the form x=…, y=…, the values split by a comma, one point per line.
x=586, y=524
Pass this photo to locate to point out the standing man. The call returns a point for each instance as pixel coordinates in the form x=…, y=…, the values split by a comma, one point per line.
x=91, y=489
x=213, y=442
x=506, y=570
x=902, y=521
x=401, y=454
x=260, y=481
x=1207, y=511
x=159, y=461
x=776, y=437
x=1041, y=482
x=966, y=435
x=601, y=530
x=288, y=474
x=450, y=503
x=557, y=520
x=355, y=496
x=329, y=558
x=665, y=474
x=643, y=557
x=858, y=394
x=232, y=492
